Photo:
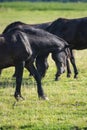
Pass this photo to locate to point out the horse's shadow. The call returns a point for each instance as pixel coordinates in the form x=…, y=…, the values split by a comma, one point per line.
x=9, y=127
x=6, y=82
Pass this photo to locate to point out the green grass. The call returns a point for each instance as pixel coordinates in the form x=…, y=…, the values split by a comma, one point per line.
x=67, y=107
x=37, y=13
x=44, y=6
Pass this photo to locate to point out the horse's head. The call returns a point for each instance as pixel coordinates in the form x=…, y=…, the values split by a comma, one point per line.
x=60, y=57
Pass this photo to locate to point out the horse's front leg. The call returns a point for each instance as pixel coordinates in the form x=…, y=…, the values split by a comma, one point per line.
x=68, y=68
x=59, y=65
x=72, y=59
x=42, y=65
x=38, y=80
x=60, y=70
x=19, y=74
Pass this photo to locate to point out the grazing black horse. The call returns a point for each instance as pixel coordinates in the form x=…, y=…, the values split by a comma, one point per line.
x=74, y=31
x=41, y=61
x=21, y=46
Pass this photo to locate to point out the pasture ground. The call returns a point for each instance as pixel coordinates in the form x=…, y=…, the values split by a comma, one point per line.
x=67, y=107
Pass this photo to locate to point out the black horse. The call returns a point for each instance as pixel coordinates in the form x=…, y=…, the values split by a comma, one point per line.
x=21, y=46
x=74, y=31
x=41, y=61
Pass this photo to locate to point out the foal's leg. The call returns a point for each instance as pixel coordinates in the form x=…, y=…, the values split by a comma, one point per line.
x=19, y=74
x=72, y=59
x=59, y=65
x=68, y=68
x=38, y=80
x=60, y=70
x=42, y=65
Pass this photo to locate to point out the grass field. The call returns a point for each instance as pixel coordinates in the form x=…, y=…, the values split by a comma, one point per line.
x=67, y=107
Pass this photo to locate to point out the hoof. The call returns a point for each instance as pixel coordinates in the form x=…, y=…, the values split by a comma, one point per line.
x=57, y=79
x=68, y=76
x=44, y=98
x=18, y=97
x=75, y=76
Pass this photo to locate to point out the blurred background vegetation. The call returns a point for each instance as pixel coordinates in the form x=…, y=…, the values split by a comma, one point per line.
x=46, y=0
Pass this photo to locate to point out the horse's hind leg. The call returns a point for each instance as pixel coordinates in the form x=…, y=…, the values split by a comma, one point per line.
x=72, y=59
x=38, y=80
x=19, y=74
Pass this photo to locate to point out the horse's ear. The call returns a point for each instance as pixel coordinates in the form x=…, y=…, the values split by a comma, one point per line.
x=2, y=39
